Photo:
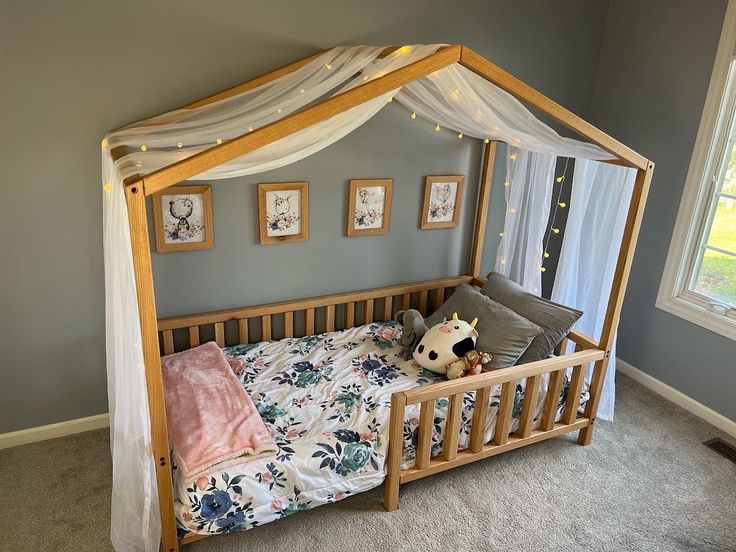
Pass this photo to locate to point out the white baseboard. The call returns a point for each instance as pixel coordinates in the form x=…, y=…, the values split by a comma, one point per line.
x=680, y=399
x=51, y=431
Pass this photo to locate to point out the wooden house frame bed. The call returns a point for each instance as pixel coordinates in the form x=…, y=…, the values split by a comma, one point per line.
x=330, y=312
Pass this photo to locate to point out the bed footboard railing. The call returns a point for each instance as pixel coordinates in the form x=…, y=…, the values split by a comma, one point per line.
x=303, y=316
x=502, y=441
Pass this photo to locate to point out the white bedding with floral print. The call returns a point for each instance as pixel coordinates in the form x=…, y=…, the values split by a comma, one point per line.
x=326, y=400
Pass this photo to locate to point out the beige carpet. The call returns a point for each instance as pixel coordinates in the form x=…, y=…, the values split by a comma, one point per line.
x=646, y=483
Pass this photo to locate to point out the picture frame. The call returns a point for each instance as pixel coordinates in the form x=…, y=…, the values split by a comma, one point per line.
x=283, y=212
x=182, y=218
x=369, y=206
x=443, y=196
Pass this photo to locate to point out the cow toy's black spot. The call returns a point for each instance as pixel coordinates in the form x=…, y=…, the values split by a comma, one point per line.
x=433, y=355
x=421, y=349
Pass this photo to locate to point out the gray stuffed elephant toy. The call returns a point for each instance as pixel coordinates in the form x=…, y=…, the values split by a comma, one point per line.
x=414, y=329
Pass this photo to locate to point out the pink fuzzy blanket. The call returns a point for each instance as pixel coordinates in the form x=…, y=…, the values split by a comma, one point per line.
x=212, y=421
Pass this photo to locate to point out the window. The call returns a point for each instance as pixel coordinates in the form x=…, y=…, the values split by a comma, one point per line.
x=699, y=282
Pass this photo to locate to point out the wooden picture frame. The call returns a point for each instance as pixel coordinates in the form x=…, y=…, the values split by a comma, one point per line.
x=443, y=201
x=283, y=212
x=182, y=219
x=369, y=210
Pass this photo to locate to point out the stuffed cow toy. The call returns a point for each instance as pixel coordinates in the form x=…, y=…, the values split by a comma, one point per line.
x=445, y=344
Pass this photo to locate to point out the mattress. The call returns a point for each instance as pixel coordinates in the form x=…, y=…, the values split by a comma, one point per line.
x=326, y=400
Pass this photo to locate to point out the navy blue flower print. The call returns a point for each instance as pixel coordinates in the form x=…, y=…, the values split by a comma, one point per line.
x=215, y=504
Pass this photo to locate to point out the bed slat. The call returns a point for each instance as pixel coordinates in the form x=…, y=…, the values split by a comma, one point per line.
x=570, y=413
x=266, y=328
x=387, y=307
x=552, y=399
x=349, y=315
x=529, y=406
x=405, y=301
x=439, y=298
x=422, y=305
x=330, y=318
x=243, y=330
x=220, y=333
x=480, y=415
x=309, y=322
x=289, y=324
x=168, y=342
x=193, y=336
x=368, y=312
x=503, y=419
x=424, y=441
x=452, y=427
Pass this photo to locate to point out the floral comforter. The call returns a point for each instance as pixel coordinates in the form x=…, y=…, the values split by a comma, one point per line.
x=326, y=400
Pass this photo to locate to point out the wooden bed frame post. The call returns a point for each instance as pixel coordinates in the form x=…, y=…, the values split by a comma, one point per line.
x=616, y=297
x=137, y=220
x=481, y=213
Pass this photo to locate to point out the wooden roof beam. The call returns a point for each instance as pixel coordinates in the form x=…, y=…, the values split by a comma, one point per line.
x=522, y=91
x=236, y=147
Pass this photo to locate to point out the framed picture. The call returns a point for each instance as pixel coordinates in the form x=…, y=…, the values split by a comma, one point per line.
x=283, y=211
x=443, y=196
x=369, y=207
x=182, y=217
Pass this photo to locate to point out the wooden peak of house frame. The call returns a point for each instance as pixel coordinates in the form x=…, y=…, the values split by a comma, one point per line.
x=329, y=107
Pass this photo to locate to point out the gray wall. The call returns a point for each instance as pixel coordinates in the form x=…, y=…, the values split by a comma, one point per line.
x=655, y=65
x=74, y=70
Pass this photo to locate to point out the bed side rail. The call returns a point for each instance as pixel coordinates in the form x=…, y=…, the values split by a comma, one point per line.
x=303, y=316
x=454, y=391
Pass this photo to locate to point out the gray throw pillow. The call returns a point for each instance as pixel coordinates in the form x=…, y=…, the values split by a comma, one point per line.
x=501, y=331
x=556, y=320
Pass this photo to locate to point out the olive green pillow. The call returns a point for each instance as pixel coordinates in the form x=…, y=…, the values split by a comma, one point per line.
x=501, y=331
x=555, y=320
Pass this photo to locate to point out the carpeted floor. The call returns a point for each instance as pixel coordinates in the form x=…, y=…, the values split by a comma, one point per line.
x=646, y=483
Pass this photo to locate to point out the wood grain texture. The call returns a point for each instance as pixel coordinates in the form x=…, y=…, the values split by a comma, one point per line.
x=503, y=418
x=395, y=448
x=138, y=222
x=243, y=330
x=168, y=342
x=482, y=205
x=525, y=93
x=220, y=334
x=368, y=311
x=452, y=427
x=424, y=439
x=266, y=327
x=570, y=412
x=387, y=308
x=552, y=400
x=193, y=336
x=480, y=415
x=330, y=318
x=529, y=406
x=309, y=322
x=288, y=324
x=349, y=315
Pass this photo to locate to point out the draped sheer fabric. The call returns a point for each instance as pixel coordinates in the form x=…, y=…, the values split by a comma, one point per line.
x=520, y=252
x=454, y=97
x=599, y=203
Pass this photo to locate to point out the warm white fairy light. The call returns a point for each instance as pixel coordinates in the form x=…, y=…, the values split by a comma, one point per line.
x=486, y=141
x=144, y=147
x=179, y=145
x=559, y=205
x=514, y=156
x=104, y=142
x=562, y=204
x=512, y=210
x=390, y=99
x=279, y=110
x=559, y=179
x=500, y=234
x=437, y=128
x=543, y=269
x=556, y=230
x=250, y=129
x=138, y=163
x=413, y=115
x=546, y=255
x=460, y=135
x=301, y=91
x=219, y=140
x=507, y=184
x=107, y=186
x=365, y=77
x=328, y=66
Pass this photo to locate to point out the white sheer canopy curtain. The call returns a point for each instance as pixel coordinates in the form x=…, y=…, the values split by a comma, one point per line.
x=454, y=97
x=528, y=189
x=599, y=205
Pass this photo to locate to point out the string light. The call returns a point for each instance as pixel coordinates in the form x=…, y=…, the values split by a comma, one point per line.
x=503, y=261
x=404, y=50
x=559, y=204
x=507, y=184
x=501, y=234
x=413, y=115
x=437, y=128
x=219, y=140
x=279, y=110
x=179, y=145
x=138, y=164
x=107, y=187
x=250, y=129
x=365, y=77
x=543, y=269
x=460, y=135
x=486, y=141
x=390, y=99
x=144, y=148
x=104, y=143
x=301, y=91
x=512, y=210
x=514, y=156
x=328, y=66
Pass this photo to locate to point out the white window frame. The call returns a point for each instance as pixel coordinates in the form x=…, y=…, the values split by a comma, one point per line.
x=674, y=295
